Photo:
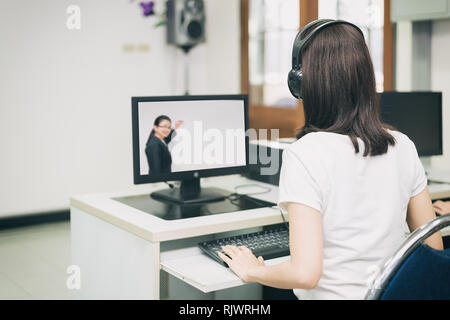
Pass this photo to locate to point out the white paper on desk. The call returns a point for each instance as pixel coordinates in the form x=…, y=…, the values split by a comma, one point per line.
x=250, y=189
x=438, y=175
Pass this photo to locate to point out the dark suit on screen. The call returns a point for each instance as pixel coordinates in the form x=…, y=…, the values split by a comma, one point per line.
x=158, y=155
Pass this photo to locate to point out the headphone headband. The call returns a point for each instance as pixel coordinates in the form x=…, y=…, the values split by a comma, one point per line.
x=295, y=76
x=299, y=42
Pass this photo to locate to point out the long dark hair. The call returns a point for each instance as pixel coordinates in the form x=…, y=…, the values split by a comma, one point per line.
x=156, y=123
x=339, y=89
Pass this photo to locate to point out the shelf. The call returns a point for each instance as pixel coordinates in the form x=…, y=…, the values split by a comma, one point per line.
x=200, y=271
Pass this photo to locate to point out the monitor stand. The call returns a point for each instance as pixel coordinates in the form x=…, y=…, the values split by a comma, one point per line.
x=174, y=211
x=190, y=192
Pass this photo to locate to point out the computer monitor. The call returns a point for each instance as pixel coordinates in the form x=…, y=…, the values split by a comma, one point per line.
x=416, y=114
x=186, y=138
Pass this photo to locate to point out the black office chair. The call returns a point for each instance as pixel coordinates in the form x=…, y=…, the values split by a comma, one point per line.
x=416, y=271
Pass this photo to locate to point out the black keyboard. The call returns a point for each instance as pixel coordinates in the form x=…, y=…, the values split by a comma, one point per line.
x=269, y=244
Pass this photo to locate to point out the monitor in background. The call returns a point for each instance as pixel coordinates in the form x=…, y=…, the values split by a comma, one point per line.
x=186, y=138
x=416, y=114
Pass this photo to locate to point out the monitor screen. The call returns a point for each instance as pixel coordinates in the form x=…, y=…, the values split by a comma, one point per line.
x=416, y=114
x=183, y=137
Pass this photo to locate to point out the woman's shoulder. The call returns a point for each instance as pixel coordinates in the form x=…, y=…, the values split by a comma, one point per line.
x=400, y=138
x=154, y=141
x=397, y=134
x=331, y=138
x=319, y=140
x=314, y=145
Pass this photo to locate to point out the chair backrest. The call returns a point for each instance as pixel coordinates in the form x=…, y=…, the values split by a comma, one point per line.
x=415, y=271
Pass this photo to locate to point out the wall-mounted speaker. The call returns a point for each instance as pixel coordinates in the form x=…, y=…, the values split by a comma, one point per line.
x=185, y=22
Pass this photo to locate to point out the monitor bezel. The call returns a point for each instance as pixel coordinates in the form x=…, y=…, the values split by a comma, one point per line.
x=439, y=151
x=183, y=175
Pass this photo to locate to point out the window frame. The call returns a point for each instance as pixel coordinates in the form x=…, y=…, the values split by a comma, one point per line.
x=289, y=120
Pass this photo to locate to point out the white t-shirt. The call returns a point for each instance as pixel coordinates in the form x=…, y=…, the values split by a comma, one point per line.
x=362, y=200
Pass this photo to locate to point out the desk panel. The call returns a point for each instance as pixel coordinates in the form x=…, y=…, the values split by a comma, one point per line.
x=200, y=271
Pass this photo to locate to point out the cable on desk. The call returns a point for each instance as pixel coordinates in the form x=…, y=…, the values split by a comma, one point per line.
x=236, y=196
x=430, y=181
x=282, y=216
x=267, y=189
x=169, y=184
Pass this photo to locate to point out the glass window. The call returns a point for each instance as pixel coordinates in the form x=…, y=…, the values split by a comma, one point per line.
x=273, y=25
x=368, y=15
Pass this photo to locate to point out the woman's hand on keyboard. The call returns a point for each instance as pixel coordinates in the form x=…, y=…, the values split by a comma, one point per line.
x=441, y=207
x=240, y=260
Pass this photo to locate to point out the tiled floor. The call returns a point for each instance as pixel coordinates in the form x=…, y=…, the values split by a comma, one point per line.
x=34, y=260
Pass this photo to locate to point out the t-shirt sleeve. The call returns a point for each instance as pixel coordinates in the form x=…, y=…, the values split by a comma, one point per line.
x=419, y=178
x=298, y=183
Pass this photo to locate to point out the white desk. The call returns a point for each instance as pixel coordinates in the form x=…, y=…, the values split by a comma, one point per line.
x=120, y=250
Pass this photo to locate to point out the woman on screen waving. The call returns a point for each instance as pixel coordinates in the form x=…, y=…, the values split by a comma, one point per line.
x=158, y=155
x=349, y=183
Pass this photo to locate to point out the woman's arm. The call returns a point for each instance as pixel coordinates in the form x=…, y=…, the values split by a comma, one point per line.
x=173, y=132
x=441, y=207
x=420, y=211
x=304, y=268
x=171, y=135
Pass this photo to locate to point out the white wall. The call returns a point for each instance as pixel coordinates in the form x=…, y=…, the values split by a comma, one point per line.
x=440, y=81
x=440, y=76
x=404, y=53
x=65, y=107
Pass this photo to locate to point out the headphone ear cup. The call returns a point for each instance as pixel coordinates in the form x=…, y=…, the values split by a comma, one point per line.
x=295, y=78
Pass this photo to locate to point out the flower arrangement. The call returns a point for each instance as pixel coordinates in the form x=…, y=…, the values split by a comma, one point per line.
x=148, y=10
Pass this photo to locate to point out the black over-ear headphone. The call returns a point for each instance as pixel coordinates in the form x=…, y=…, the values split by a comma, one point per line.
x=295, y=76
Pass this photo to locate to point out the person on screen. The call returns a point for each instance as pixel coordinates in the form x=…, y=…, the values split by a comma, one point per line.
x=158, y=155
x=349, y=183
